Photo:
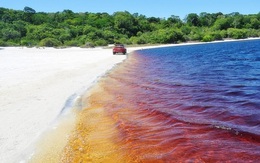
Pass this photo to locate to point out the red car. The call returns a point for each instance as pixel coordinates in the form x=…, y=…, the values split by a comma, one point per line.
x=119, y=48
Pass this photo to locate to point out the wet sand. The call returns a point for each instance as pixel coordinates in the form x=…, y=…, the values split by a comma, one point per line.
x=35, y=85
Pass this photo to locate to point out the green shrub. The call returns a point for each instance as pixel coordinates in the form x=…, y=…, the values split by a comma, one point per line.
x=253, y=33
x=217, y=36
x=123, y=41
x=72, y=43
x=64, y=37
x=196, y=37
x=207, y=38
x=50, y=42
x=137, y=40
x=223, y=33
x=236, y=33
x=29, y=43
x=3, y=43
x=88, y=45
x=10, y=43
x=101, y=42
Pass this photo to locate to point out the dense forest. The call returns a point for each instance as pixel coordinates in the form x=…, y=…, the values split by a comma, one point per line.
x=30, y=28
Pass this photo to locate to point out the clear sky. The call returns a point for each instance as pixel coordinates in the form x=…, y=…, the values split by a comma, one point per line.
x=149, y=8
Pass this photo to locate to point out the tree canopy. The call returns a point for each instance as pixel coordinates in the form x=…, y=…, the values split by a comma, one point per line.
x=30, y=28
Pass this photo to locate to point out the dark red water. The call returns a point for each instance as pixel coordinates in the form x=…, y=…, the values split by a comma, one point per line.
x=195, y=103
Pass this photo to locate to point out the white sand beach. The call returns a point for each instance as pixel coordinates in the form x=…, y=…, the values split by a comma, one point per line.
x=35, y=85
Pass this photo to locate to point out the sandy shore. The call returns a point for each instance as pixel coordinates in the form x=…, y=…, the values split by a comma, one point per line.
x=36, y=83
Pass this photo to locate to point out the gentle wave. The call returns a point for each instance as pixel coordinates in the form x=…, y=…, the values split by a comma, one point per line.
x=195, y=103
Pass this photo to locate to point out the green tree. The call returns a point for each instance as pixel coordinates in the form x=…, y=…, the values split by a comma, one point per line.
x=9, y=16
x=64, y=37
x=29, y=10
x=255, y=23
x=143, y=24
x=30, y=28
x=207, y=19
x=236, y=20
x=125, y=23
x=28, y=14
x=222, y=23
x=192, y=19
x=40, y=18
x=10, y=34
x=20, y=26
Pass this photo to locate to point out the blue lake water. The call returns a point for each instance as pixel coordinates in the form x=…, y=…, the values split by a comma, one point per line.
x=217, y=84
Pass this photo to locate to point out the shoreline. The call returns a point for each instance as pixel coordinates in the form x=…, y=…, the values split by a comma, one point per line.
x=140, y=46
x=196, y=43
x=37, y=84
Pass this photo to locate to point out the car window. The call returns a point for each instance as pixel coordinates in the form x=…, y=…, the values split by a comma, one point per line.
x=120, y=45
